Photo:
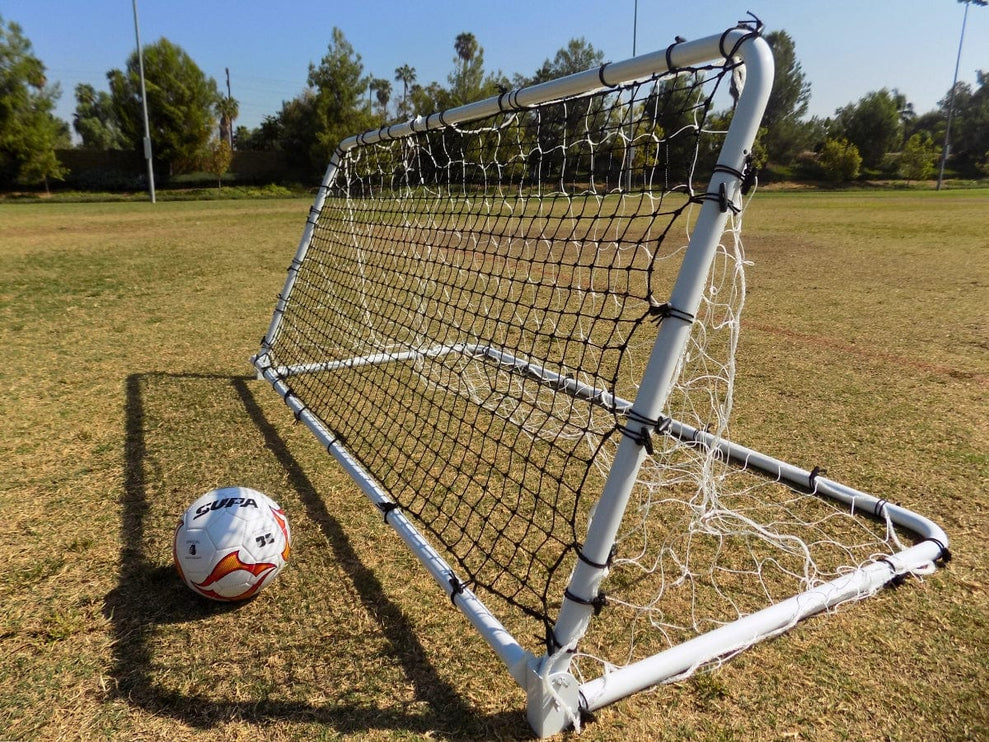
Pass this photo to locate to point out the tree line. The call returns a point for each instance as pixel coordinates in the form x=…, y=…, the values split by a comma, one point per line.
x=193, y=125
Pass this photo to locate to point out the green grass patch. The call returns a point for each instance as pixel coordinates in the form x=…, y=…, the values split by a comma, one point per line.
x=127, y=329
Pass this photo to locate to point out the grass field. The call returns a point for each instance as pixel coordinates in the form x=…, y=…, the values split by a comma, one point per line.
x=126, y=331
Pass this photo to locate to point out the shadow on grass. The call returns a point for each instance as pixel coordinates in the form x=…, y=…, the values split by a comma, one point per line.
x=149, y=595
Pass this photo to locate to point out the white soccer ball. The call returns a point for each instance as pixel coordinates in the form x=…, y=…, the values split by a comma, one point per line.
x=230, y=543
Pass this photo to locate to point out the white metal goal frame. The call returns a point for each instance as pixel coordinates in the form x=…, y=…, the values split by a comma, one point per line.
x=555, y=696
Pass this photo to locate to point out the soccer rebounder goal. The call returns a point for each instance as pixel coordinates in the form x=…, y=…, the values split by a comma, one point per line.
x=514, y=323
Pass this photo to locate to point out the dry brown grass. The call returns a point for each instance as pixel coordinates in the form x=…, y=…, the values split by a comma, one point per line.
x=126, y=330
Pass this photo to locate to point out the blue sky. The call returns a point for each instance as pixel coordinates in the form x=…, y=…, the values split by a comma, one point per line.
x=847, y=48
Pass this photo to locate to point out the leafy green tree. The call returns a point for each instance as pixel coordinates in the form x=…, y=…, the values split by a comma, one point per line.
x=672, y=106
x=265, y=137
x=840, y=160
x=427, y=99
x=293, y=132
x=786, y=135
x=338, y=83
x=918, y=157
x=570, y=124
x=983, y=167
x=969, y=124
x=182, y=104
x=578, y=55
x=217, y=159
x=94, y=120
x=29, y=132
x=874, y=125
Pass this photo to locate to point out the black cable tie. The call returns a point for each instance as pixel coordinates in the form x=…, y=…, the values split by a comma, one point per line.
x=730, y=170
x=456, y=588
x=601, y=69
x=660, y=312
x=897, y=579
x=384, y=506
x=747, y=176
x=646, y=437
x=597, y=603
x=750, y=174
x=669, y=53
x=754, y=27
x=724, y=203
x=550, y=640
x=814, y=474
x=945, y=555
x=643, y=436
x=585, y=560
x=753, y=22
x=661, y=425
x=501, y=96
x=879, y=507
x=640, y=437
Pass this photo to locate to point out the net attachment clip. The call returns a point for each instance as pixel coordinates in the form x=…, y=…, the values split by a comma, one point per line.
x=457, y=587
x=643, y=434
x=659, y=312
x=598, y=602
x=386, y=507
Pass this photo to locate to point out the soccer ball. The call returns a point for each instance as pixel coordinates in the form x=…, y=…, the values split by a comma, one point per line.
x=230, y=543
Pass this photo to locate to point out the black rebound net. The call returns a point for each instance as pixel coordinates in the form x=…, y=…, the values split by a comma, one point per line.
x=477, y=300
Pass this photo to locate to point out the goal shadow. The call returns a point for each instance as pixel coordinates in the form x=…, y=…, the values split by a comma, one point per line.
x=153, y=615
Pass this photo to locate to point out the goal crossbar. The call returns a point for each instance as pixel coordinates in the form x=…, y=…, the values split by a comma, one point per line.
x=398, y=337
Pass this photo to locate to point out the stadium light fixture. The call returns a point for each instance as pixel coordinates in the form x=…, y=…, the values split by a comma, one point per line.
x=951, y=93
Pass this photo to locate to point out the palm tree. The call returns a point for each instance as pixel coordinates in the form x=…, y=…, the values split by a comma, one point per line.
x=468, y=74
x=228, y=110
x=382, y=92
x=466, y=46
x=406, y=75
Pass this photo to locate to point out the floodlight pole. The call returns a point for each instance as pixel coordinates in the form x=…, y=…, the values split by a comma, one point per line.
x=631, y=128
x=951, y=94
x=144, y=103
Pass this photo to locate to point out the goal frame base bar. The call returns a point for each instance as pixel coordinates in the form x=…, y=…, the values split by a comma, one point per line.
x=554, y=699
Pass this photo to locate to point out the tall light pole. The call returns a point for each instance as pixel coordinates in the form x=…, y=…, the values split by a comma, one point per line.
x=635, y=25
x=144, y=102
x=951, y=93
x=631, y=125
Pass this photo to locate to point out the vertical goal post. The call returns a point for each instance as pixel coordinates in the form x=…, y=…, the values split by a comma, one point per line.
x=513, y=324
